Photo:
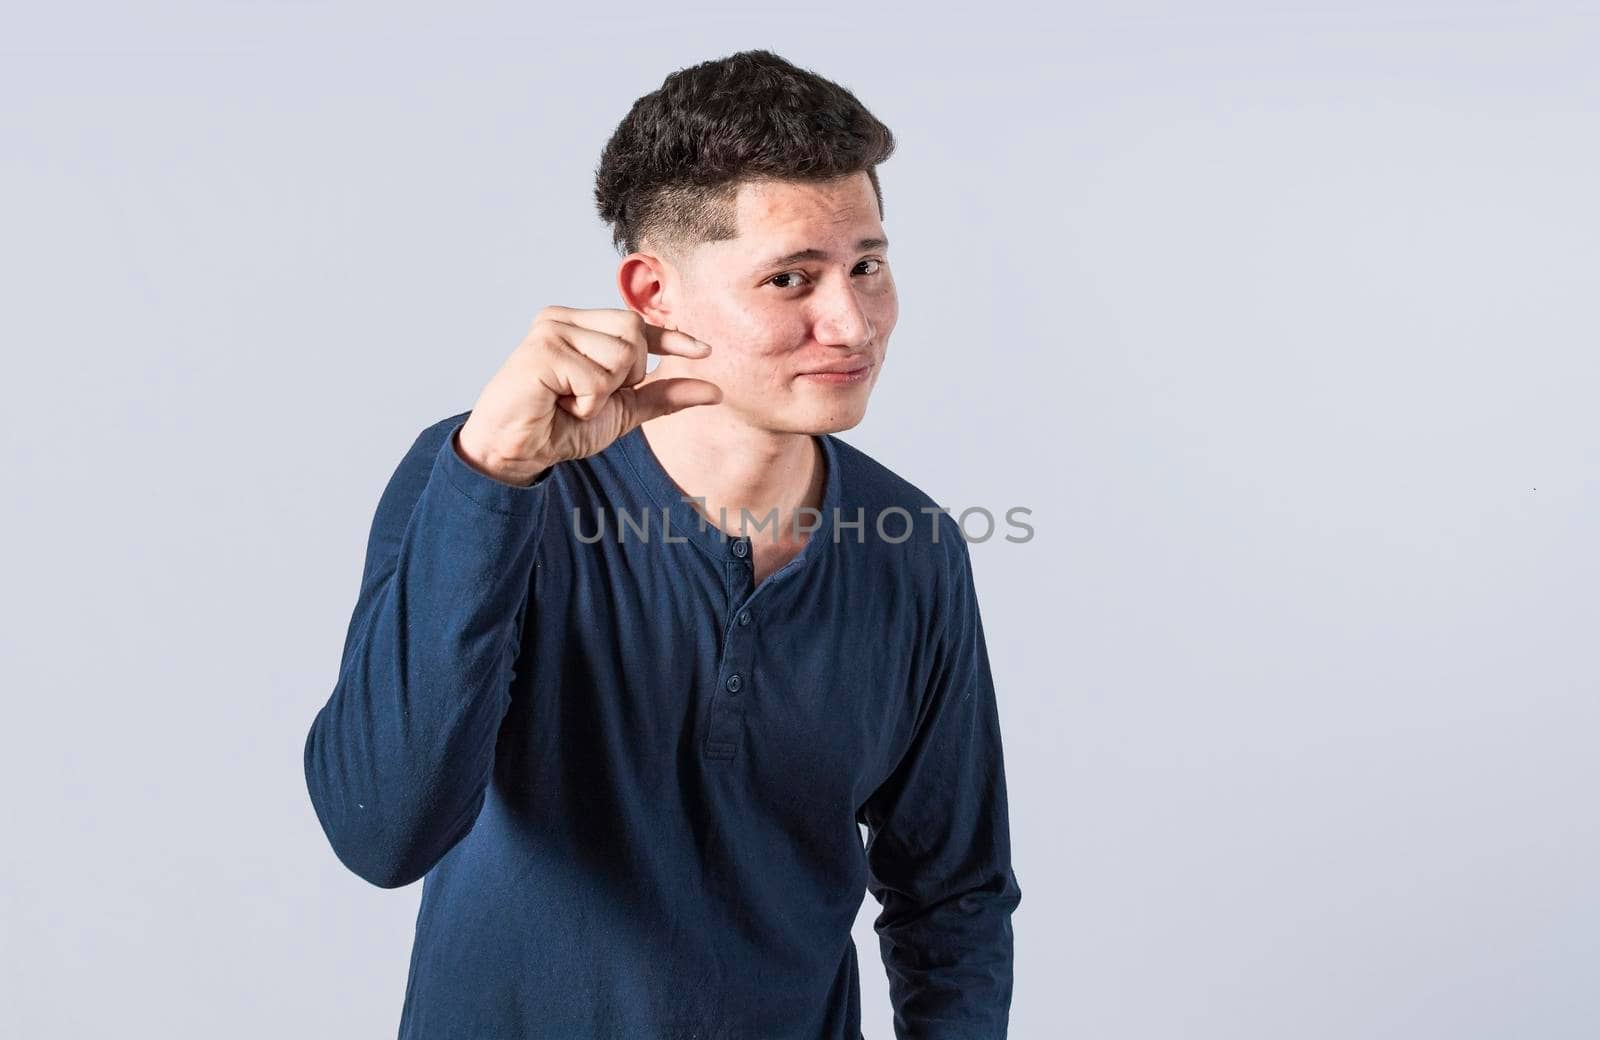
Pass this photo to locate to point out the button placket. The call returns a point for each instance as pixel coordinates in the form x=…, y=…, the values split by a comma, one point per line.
x=726, y=723
x=739, y=573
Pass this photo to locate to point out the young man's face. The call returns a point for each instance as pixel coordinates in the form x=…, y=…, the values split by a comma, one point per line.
x=776, y=323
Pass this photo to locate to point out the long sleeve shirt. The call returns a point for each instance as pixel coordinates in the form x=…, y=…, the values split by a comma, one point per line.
x=635, y=780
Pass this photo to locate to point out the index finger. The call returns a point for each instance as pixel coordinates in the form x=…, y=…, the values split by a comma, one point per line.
x=623, y=324
x=670, y=341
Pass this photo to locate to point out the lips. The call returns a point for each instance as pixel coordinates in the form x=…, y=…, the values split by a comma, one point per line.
x=839, y=375
x=843, y=367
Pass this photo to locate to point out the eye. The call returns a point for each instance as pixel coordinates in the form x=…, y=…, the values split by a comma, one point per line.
x=797, y=274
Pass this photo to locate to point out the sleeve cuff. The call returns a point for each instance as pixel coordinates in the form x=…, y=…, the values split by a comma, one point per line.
x=483, y=489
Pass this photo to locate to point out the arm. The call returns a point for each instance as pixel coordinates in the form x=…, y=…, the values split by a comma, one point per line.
x=398, y=759
x=939, y=850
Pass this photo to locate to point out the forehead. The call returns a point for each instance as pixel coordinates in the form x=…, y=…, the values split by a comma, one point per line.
x=767, y=211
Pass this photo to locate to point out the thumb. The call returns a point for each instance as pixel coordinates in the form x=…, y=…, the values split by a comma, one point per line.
x=657, y=397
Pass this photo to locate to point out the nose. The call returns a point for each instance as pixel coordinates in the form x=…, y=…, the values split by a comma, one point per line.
x=840, y=320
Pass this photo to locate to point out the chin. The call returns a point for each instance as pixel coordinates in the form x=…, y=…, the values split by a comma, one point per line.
x=828, y=412
x=833, y=420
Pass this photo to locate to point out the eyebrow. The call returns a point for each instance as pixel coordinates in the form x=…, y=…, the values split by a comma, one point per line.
x=818, y=254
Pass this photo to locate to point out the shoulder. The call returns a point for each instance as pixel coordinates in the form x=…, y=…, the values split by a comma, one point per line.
x=890, y=506
x=420, y=460
x=867, y=482
x=412, y=471
x=425, y=446
x=433, y=436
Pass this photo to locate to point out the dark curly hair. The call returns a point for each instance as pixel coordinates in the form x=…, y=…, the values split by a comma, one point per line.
x=671, y=171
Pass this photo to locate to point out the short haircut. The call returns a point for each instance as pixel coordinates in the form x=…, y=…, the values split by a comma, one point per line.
x=671, y=171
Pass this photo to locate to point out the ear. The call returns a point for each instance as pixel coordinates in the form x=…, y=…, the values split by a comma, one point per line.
x=647, y=285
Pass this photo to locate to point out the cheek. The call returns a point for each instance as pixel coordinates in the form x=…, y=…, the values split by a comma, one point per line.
x=750, y=327
x=751, y=346
x=885, y=312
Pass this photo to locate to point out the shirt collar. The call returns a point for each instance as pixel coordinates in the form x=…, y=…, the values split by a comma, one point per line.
x=685, y=518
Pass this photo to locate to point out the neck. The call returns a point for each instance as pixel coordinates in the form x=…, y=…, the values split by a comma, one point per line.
x=711, y=454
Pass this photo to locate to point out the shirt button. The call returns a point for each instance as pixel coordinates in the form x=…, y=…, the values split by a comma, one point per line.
x=741, y=548
x=744, y=617
x=734, y=682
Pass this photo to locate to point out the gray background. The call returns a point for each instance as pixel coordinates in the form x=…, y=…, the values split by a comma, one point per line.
x=1281, y=320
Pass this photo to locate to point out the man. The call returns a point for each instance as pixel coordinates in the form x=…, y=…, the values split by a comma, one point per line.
x=629, y=742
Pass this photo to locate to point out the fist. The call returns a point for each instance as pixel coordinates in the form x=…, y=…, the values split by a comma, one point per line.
x=574, y=384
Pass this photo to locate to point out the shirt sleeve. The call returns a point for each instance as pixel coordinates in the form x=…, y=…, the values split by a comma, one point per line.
x=938, y=848
x=398, y=758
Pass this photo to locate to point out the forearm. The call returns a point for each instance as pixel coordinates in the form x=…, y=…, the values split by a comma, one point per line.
x=940, y=852
x=398, y=759
x=949, y=962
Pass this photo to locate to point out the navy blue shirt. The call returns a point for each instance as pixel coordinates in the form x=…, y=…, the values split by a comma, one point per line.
x=633, y=778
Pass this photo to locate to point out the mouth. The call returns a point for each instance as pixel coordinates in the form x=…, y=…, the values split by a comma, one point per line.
x=856, y=373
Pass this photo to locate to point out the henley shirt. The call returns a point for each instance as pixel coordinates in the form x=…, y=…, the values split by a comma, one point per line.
x=635, y=781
